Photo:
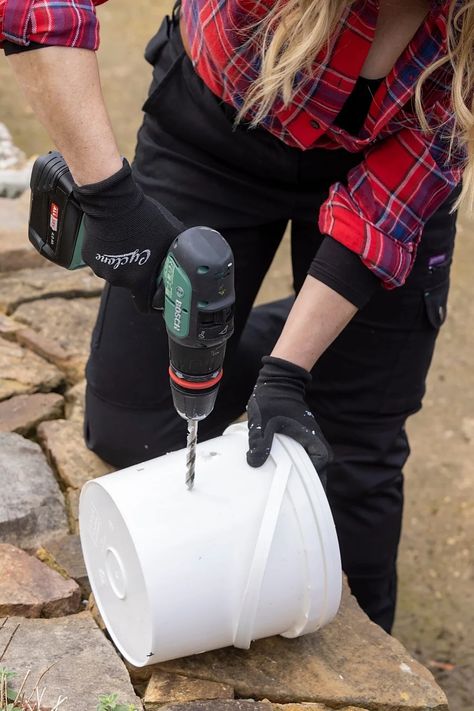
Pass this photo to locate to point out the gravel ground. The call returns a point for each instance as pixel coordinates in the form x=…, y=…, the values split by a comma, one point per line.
x=436, y=606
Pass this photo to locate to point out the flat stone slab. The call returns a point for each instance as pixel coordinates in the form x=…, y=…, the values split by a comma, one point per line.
x=49, y=281
x=75, y=402
x=9, y=327
x=164, y=688
x=60, y=331
x=32, y=509
x=313, y=707
x=65, y=555
x=24, y=372
x=219, y=705
x=86, y=665
x=63, y=442
x=351, y=662
x=29, y=588
x=22, y=413
x=241, y=705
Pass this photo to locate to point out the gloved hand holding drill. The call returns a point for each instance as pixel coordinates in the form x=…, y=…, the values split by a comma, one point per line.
x=126, y=237
x=127, y=233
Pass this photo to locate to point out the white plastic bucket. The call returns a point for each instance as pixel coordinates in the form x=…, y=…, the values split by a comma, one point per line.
x=248, y=553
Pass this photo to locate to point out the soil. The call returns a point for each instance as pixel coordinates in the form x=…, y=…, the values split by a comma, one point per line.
x=435, y=617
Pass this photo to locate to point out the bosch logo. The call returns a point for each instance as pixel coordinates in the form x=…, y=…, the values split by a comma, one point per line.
x=179, y=292
x=178, y=310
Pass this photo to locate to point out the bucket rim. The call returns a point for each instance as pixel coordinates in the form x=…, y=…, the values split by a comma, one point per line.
x=137, y=662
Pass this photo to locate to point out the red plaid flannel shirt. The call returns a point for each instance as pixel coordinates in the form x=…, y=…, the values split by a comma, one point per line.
x=404, y=175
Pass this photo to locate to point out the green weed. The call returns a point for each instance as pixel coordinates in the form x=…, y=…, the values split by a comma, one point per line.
x=110, y=702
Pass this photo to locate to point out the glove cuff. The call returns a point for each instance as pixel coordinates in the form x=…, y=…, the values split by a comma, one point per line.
x=115, y=195
x=278, y=366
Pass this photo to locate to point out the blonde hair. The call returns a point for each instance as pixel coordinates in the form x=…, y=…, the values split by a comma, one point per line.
x=460, y=56
x=295, y=32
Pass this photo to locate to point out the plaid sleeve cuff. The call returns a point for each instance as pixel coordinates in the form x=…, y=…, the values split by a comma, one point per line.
x=381, y=210
x=389, y=259
x=48, y=22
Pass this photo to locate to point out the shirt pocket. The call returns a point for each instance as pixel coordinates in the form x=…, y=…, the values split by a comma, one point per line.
x=17, y=21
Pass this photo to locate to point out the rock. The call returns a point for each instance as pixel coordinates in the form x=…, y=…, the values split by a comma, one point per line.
x=75, y=402
x=351, y=662
x=249, y=705
x=32, y=508
x=21, y=413
x=220, y=705
x=10, y=155
x=16, y=252
x=65, y=555
x=72, y=509
x=94, y=610
x=82, y=664
x=16, y=181
x=49, y=281
x=15, y=171
x=9, y=327
x=313, y=707
x=44, y=346
x=60, y=331
x=63, y=442
x=164, y=688
x=24, y=372
x=28, y=588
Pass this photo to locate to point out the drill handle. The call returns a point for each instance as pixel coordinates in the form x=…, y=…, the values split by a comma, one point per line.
x=158, y=301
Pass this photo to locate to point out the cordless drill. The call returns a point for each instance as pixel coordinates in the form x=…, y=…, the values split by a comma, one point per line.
x=195, y=290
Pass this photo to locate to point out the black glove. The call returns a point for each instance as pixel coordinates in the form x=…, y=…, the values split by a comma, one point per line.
x=127, y=234
x=277, y=405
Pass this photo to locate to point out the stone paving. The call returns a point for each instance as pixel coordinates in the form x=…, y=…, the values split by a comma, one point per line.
x=22, y=413
x=80, y=663
x=30, y=588
x=46, y=318
x=32, y=508
x=351, y=662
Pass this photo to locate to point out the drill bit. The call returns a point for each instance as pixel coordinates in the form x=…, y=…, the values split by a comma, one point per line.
x=191, y=453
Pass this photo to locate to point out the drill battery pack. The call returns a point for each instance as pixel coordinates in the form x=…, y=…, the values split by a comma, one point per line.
x=56, y=221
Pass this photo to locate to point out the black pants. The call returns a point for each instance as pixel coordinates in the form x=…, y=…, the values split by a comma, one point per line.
x=248, y=185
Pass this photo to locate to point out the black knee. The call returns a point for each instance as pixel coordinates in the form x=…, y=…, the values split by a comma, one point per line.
x=124, y=436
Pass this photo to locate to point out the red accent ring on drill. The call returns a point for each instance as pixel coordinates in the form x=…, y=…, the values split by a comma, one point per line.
x=188, y=385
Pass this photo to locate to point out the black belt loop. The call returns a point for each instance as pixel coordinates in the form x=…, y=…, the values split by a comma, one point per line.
x=176, y=13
